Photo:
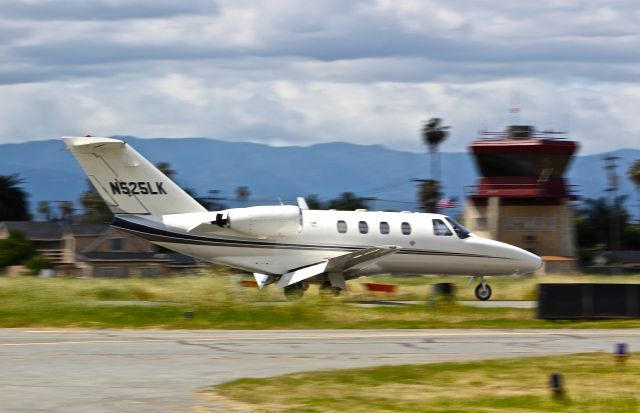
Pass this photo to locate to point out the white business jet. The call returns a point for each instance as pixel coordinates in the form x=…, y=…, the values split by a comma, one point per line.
x=289, y=245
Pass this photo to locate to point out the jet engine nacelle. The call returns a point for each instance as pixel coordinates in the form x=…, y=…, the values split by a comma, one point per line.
x=264, y=221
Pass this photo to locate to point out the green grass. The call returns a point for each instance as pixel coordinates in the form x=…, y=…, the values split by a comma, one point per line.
x=218, y=302
x=593, y=383
x=524, y=287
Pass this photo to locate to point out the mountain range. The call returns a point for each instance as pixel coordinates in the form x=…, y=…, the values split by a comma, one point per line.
x=273, y=173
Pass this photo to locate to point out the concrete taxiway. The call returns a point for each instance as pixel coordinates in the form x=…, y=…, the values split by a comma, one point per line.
x=162, y=371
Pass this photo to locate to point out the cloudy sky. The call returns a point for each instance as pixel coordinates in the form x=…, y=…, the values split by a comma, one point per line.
x=301, y=72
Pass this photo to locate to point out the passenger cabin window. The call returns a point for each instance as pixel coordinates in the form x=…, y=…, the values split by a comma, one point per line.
x=440, y=228
x=461, y=231
x=363, y=227
x=384, y=228
x=342, y=227
x=406, y=228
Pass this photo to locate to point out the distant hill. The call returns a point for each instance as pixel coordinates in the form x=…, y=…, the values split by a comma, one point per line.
x=273, y=173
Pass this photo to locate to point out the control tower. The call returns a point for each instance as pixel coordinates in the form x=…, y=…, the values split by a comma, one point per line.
x=522, y=197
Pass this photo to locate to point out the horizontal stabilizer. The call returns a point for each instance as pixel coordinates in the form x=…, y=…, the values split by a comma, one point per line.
x=197, y=222
x=89, y=144
x=353, y=260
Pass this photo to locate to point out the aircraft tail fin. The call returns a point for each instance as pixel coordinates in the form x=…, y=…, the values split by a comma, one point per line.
x=128, y=182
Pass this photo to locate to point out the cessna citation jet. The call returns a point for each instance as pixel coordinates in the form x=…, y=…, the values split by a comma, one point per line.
x=289, y=245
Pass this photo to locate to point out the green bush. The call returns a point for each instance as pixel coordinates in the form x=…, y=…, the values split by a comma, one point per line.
x=37, y=263
x=16, y=249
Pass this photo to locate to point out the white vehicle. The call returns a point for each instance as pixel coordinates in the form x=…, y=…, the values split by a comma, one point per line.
x=289, y=244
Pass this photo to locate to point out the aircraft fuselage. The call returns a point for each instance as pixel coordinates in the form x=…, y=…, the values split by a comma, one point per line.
x=328, y=234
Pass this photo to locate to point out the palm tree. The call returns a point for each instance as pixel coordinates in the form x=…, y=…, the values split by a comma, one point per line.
x=348, y=201
x=433, y=134
x=13, y=199
x=242, y=194
x=96, y=211
x=66, y=211
x=429, y=194
x=313, y=201
x=165, y=168
x=44, y=208
x=634, y=175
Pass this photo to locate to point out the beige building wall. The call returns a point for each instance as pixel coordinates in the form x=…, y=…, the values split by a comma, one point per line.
x=542, y=229
x=127, y=269
x=476, y=220
x=80, y=243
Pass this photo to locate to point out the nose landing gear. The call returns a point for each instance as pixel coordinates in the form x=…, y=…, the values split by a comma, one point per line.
x=483, y=290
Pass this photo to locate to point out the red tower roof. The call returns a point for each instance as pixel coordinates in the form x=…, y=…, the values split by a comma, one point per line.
x=519, y=165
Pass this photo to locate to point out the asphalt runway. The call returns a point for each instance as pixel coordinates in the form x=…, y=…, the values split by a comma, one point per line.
x=162, y=371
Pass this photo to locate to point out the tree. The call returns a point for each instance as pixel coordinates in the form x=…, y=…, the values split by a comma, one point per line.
x=37, y=263
x=208, y=202
x=313, y=201
x=348, y=201
x=44, y=208
x=433, y=134
x=634, y=175
x=165, y=168
x=595, y=218
x=429, y=192
x=95, y=209
x=66, y=210
x=16, y=249
x=13, y=199
x=242, y=193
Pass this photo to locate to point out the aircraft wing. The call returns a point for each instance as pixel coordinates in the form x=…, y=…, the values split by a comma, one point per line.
x=353, y=260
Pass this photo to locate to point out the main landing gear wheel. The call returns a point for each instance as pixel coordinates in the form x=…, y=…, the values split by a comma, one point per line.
x=326, y=290
x=483, y=292
x=294, y=292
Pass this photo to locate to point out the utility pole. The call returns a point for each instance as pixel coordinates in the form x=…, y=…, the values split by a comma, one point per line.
x=610, y=166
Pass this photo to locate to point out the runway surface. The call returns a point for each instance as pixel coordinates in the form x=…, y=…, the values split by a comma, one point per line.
x=161, y=371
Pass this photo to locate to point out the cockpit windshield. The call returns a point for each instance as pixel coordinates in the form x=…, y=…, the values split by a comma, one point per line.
x=460, y=230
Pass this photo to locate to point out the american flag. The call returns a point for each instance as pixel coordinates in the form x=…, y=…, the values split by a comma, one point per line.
x=447, y=203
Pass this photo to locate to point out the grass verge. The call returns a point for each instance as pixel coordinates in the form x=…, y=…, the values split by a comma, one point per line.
x=218, y=302
x=593, y=383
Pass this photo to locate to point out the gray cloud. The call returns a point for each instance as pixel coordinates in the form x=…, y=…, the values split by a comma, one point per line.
x=293, y=72
x=102, y=10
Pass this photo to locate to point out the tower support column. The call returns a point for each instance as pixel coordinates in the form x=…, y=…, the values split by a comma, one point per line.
x=493, y=217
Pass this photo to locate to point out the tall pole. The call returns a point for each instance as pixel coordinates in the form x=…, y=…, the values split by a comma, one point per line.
x=612, y=191
x=514, y=107
x=638, y=194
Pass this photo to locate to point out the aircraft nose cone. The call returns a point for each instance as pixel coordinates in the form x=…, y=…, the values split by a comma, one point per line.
x=529, y=262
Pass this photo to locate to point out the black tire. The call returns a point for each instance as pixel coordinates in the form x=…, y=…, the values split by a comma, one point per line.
x=294, y=292
x=483, y=292
x=326, y=290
